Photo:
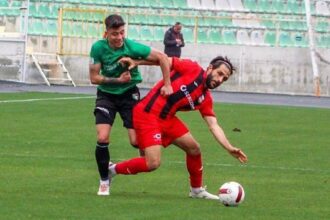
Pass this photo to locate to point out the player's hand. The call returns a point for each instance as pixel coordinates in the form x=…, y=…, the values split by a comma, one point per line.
x=239, y=154
x=166, y=90
x=127, y=61
x=125, y=77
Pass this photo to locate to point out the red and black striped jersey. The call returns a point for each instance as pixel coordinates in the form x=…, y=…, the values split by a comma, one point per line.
x=189, y=92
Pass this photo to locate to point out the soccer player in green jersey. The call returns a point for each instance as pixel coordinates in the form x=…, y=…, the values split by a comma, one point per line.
x=117, y=90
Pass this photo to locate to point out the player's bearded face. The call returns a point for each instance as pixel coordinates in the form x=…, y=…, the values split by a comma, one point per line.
x=211, y=81
x=116, y=37
x=217, y=76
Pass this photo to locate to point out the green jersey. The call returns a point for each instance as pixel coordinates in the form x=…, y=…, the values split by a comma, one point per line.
x=108, y=57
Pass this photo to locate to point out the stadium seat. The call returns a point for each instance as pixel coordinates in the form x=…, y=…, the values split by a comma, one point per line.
x=153, y=19
x=267, y=21
x=322, y=25
x=279, y=6
x=215, y=36
x=51, y=28
x=321, y=8
x=16, y=4
x=187, y=21
x=225, y=19
x=36, y=27
x=257, y=37
x=236, y=5
x=94, y=30
x=133, y=32
x=208, y=4
x=222, y=5
x=252, y=21
x=128, y=3
x=180, y=4
x=188, y=34
x=67, y=30
x=159, y=33
x=300, y=40
x=270, y=38
x=242, y=37
x=44, y=11
x=323, y=41
x=194, y=4
x=298, y=25
x=146, y=33
x=207, y=21
x=239, y=20
x=202, y=35
x=33, y=12
x=264, y=6
x=284, y=23
x=229, y=37
x=78, y=30
x=169, y=20
x=251, y=5
x=285, y=39
x=165, y=4
x=4, y=3
x=293, y=7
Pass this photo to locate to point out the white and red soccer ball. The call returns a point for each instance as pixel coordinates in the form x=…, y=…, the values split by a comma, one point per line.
x=231, y=194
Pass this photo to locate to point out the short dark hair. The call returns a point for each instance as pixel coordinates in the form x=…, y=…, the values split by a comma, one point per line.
x=114, y=21
x=217, y=61
x=177, y=23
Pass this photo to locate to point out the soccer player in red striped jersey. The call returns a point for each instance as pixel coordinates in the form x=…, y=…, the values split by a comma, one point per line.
x=157, y=126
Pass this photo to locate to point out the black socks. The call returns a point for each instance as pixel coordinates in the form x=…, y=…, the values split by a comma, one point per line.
x=102, y=158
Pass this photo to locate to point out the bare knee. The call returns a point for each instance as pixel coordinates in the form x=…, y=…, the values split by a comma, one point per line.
x=194, y=149
x=153, y=164
x=103, y=138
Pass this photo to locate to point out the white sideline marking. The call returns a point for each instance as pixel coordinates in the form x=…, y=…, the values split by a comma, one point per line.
x=46, y=99
x=184, y=163
x=256, y=166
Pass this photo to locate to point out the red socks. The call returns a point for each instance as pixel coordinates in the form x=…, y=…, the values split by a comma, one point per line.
x=195, y=169
x=132, y=166
x=139, y=165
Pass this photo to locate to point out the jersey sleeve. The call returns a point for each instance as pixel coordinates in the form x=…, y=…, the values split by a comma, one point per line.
x=183, y=65
x=95, y=54
x=207, y=106
x=138, y=50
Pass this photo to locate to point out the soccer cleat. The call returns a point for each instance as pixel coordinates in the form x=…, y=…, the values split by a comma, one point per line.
x=104, y=189
x=202, y=194
x=112, y=171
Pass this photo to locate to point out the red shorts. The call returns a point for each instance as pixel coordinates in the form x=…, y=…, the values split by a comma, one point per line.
x=151, y=130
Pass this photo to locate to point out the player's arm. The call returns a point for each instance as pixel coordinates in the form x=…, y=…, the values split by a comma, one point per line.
x=220, y=136
x=162, y=59
x=97, y=78
x=155, y=58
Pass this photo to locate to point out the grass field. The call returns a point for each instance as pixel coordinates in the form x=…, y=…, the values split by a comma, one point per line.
x=48, y=169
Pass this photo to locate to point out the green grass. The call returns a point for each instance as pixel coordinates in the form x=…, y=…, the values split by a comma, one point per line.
x=48, y=169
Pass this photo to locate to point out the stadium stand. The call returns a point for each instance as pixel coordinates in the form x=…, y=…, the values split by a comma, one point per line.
x=257, y=22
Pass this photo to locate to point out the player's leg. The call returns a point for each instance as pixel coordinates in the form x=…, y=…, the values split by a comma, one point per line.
x=125, y=106
x=102, y=157
x=150, y=140
x=180, y=136
x=148, y=163
x=105, y=113
x=194, y=165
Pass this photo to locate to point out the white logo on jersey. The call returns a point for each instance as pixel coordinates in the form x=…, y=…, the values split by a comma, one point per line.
x=201, y=99
x=157, y=137
x=183, y=88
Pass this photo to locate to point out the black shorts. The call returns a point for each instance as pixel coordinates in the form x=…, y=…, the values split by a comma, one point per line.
x=107, y=105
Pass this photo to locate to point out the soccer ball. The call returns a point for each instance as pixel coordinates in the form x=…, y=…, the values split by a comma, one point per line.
x=231, y=194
